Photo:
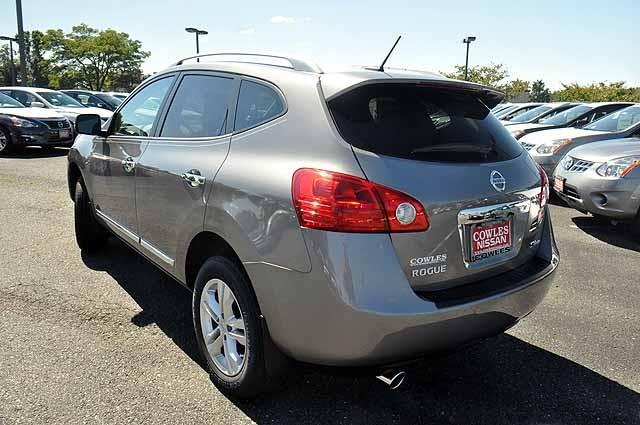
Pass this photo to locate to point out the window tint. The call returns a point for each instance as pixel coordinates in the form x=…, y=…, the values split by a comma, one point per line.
x=59, y=99
x=199, y=108
x=531, y=114
x=257, y=103
x=422, y=123
x=617, y=121
x=567, y=116
x=22, y=97
x=137, y=116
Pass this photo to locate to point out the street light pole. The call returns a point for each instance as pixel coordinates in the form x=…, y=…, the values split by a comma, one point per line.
x=467, y=41
x=13, y=65
x=198, y=33
x=23, y=55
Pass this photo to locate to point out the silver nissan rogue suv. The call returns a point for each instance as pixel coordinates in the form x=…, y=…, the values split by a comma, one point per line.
x=355, y=218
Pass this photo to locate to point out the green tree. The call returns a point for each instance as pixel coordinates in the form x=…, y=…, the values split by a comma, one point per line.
x=597, y=92
x=540, y=92
x=492, y=75
x=516, y=90
x=38, y=67
x=91, y=58
x=5, y=66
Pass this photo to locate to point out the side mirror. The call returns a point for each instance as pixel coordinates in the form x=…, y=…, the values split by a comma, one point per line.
x=37, y=105
x=89, y=124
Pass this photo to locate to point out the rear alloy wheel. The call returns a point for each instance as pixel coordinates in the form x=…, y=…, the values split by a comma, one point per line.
x=229, y=330
x=222, y=327
x=5, y=142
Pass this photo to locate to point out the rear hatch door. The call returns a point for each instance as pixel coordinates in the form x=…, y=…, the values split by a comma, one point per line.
x=441, y=145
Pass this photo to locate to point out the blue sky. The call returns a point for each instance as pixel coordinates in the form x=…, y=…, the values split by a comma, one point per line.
x=557, y=41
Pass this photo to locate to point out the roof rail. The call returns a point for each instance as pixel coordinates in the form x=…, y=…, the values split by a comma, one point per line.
x=295, y=64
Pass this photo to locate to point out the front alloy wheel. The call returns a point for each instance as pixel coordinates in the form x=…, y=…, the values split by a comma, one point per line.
x=5, y=142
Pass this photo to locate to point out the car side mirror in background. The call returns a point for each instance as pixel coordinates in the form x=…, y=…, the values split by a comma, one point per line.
x=89, y=124
x=37, y=105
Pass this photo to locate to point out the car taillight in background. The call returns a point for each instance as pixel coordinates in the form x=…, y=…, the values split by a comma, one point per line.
x=339, y=202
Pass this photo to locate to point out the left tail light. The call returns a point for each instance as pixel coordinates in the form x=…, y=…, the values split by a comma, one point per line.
x=339, y=202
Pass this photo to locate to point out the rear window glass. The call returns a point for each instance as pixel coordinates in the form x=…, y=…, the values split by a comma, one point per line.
x=257, y=104
x=422, y=123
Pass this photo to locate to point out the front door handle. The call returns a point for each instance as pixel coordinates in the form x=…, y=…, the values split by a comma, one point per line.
x=128, y=164
x=194, y=178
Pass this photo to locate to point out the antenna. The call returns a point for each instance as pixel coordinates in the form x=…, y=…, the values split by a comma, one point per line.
x=381, y=69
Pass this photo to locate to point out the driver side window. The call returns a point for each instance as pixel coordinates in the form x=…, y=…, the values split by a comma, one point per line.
x=136, y=118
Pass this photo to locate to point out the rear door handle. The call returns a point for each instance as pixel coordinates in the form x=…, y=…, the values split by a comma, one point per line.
x=194, y=178
x=128, y=164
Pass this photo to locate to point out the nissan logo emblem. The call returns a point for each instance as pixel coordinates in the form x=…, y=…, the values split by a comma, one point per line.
x=497, y=181
x=60, y=124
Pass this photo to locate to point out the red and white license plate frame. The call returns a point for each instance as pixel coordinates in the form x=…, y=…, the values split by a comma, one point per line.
x=491, y=237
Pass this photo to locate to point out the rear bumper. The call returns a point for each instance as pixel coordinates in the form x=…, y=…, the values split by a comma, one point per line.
x=589, y=193
x=357, y=308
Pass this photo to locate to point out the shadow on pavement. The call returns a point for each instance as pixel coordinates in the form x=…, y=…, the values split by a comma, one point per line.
x=501, y=381
x=32, y=152
x=620, y=235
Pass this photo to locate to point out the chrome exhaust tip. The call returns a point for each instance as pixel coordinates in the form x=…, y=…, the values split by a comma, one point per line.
x=393, y=379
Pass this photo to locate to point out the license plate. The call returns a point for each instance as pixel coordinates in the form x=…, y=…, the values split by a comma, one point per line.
x=64, y=134
x=558, y=184
x=490, y=239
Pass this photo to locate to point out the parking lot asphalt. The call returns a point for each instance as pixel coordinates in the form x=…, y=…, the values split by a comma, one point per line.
x=107, y=338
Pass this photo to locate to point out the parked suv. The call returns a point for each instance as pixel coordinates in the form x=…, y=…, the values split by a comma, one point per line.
x=358, y=218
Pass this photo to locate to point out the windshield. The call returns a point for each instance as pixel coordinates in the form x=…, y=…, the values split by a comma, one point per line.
x=567, y=116
x=532, y=114
x=110, y=100
x=60, y=99
x=9, y=102
x=422, y=124
x=617, y=121
x=505, y=111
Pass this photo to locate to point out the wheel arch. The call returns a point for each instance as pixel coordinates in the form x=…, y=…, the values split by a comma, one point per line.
x=204, y=245
x=73, y=176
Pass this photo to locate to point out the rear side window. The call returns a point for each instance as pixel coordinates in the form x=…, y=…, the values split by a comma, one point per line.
x=257, y=104
x=199, y=108
x=422, y=123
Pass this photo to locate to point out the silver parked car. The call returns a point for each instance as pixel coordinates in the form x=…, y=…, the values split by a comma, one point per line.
x=515, y=110
x=356, y=218
x=548, y=147
x=576, y=117
x=534, y=115
x=603, y=179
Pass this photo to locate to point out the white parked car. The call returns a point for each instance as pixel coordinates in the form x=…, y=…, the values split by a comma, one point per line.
x=35, y=97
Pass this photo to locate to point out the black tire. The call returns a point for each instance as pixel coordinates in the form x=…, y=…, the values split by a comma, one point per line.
x=635, y=227
x=256, y=375
x=8, y=147
x=90, y=235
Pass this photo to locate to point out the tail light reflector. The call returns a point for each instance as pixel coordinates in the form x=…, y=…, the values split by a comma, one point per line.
x=339, y=202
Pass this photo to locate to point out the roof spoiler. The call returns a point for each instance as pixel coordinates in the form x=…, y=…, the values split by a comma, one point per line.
x=487, y=95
